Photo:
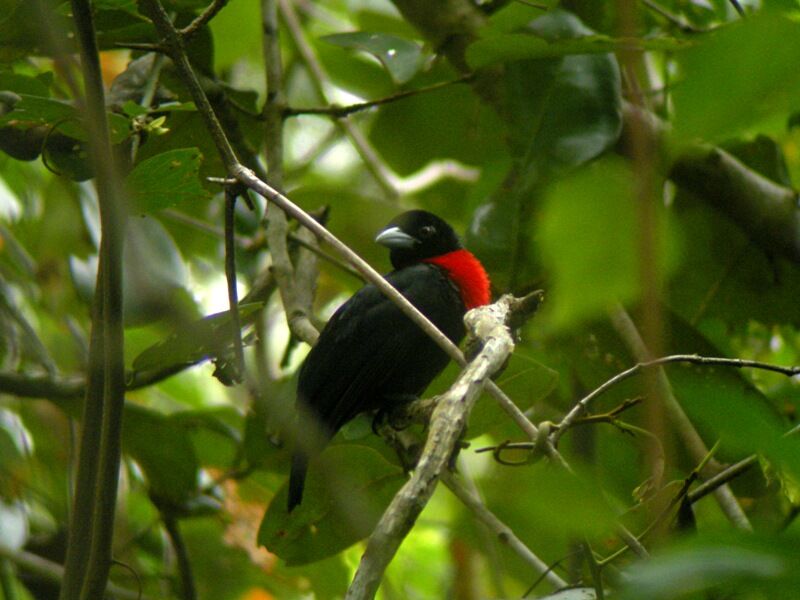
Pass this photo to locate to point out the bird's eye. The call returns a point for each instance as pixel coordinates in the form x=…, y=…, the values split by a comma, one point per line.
x=427, y=231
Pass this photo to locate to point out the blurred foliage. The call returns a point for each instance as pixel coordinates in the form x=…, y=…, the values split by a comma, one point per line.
x=522, y=158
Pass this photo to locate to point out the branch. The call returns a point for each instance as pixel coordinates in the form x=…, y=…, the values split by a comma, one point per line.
x=697, y=449
x=446, y=427
x=203, y=18
x=91, y=524
x=337, y=112
x=500, y=529
x=582, y=405
x=296, y=295
x=188, y=591
x=230, y=277
x=52, y=571
x=768, y=212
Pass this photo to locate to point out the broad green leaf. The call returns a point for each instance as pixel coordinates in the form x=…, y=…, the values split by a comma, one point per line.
x=748, y=566
x=402, y=58
x=215, y=434
x=164, y=451
x=511, y=47
x=167, y=179
x=583, y=511
x=524, y=379
x=346, y=491
x=31, y=111
x=23, y=84
x=570, y=107
x=195, y=342
x=736, y=76
x=447, y=123
x=560, y=113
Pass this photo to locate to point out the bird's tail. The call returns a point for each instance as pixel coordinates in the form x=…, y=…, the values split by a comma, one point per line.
x=297, y=478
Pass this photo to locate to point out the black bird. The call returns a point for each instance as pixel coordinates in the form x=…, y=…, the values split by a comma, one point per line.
x=370, y=355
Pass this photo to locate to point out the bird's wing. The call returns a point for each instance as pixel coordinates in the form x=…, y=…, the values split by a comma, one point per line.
x=369, y=347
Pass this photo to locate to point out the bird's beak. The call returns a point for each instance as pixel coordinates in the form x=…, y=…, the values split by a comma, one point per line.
x=394, y=237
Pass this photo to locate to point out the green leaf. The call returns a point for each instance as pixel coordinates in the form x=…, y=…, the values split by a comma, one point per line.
x=401, y=58
x=32, y=111
x=560, y=113
x=713, y=100
x=570, y=106
x=511, y=47
x=346, y=491
x=22, y=84
x=746, y=566
x=162, y=448
x=167, y=179
x=729, y=278
x=195, y=342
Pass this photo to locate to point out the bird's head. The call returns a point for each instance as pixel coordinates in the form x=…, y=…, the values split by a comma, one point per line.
x=416, y=235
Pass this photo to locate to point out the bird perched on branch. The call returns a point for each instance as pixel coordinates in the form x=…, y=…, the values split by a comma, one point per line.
x=370, y=355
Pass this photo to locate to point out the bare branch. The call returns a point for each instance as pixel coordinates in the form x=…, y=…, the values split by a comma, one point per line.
x=694, y=443
x=337, y=111
x=582, y=405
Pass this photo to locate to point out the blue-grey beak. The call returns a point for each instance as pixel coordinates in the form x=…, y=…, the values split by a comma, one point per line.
x=394, y=237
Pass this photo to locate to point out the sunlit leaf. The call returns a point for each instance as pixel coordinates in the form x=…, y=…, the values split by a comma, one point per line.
x=167, y=179
x=402, y=58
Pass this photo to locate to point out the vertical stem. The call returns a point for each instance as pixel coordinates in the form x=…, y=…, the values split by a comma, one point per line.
x=643, y=158
x=91, y=528
x=230, y=276
x=188, y=591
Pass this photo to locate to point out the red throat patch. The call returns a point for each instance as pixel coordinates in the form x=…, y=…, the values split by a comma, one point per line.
x=467, y=273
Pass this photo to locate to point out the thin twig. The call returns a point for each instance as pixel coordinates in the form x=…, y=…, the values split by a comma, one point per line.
x=203, y=18
x=713, y=483
x=674, y=19
x=230, y=276
x=695, y=445
x=337, y=111
x=738, y=7
x=738, y=363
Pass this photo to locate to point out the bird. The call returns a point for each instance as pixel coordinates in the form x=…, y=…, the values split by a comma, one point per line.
x=370, y=355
